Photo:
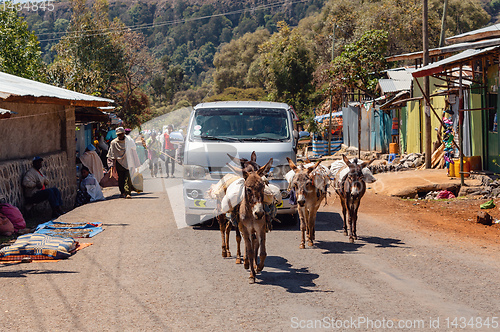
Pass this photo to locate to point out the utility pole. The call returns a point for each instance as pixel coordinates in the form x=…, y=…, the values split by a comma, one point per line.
x=331, y=99
x=427, y=112
x=443, y=23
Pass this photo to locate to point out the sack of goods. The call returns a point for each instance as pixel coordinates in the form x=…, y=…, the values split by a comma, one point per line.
x=340, y=166
x=230, y=191
x=320, y=175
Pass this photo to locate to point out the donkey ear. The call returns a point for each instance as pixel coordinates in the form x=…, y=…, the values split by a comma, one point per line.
x=367, y=163
x=292, y=165
x=312, y=168
x=235, y=169
x=346, y=160
x=237, y=160
x=253, y=157
x=265, y=169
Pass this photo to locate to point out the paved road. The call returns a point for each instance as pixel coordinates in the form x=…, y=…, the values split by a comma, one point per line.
x=143, y=273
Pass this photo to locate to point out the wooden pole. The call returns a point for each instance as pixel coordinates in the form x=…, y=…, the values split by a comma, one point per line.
x=443, y=24
x=427, y=112
x=460, y=126
x=359, y=133
x=331, y=100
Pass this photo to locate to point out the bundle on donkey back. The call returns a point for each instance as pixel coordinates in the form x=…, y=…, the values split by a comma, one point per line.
x=229, y=193
x=309, y=184
x=349, y=182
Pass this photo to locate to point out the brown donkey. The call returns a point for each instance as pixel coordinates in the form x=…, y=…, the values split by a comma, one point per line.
x=252, y=219
x=350, y=189
x=224, y=224
x=310, y=188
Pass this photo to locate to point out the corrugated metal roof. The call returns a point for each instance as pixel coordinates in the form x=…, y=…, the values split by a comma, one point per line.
x=491, y=30
x=439, y=66
x=399, y=75
x=390, y=85
x=446, y=50
x=15, y=88
x=4, y=114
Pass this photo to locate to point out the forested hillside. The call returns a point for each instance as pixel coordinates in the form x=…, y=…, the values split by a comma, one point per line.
x=154, y=56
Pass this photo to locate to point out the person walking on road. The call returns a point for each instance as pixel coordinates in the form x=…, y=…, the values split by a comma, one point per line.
x=154, y=149
x=117, y=153
x=170, y=151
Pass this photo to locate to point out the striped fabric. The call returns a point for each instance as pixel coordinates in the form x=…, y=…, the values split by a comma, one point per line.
x=40, y=245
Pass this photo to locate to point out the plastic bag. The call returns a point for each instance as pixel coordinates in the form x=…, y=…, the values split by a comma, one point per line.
x=110, y=178
x=138, y=182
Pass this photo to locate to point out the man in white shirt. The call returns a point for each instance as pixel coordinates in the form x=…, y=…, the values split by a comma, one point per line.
x=36, y=190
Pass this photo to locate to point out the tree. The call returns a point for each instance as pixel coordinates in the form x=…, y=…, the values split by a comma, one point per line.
x=360, y=64
x=20, y=52
x=88, y=61
x=137, y=69
x=287, y=65
x=232, y=63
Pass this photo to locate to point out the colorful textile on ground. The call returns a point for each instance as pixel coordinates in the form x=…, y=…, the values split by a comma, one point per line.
x=38, y=258
x=40, y=245
x=488, y=205
x=445, y=194
x=62, y=229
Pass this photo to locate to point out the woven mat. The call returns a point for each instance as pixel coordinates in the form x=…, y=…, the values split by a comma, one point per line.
x=39, y=258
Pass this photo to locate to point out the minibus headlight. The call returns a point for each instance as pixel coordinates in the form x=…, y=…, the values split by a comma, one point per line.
x=194, y=172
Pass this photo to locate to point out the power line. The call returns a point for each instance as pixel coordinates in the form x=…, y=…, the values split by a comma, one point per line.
x=105, y=31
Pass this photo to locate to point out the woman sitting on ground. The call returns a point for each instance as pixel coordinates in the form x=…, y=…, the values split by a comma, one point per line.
x=89, y=189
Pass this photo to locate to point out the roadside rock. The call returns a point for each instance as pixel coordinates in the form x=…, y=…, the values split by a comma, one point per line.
x=484, y=218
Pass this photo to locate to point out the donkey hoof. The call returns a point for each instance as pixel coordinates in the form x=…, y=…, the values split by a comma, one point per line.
x=228, y=254
x=224, y=254
x=351, y=239
x=246, y=266
x=310, y=243
x=355, y=237
x=259, y=269
x=238, y=260
x=345, y=233
x=302, y=246
x=251, y=280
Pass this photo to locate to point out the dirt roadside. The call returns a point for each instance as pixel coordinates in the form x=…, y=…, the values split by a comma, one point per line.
x=453, y=218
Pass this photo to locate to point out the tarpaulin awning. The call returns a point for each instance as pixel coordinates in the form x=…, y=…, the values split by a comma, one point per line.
x=320, y=118
x=441, y=65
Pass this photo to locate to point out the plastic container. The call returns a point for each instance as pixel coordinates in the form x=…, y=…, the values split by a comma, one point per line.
x=393, y=148
x=475, y=163
x=451, y=169
x=320, y=147
x=466, y=168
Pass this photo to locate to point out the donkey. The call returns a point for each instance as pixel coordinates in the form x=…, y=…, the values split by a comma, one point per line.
x=252, y=219
x=350, y=189
x=224, y=224
x=310, y=188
